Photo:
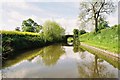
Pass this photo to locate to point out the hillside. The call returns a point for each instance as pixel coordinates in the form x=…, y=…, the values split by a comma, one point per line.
x=107, y=39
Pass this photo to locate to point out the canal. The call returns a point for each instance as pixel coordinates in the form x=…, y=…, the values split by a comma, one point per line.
x=59, y=61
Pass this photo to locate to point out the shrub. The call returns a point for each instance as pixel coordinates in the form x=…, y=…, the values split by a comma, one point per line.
x=15, y=40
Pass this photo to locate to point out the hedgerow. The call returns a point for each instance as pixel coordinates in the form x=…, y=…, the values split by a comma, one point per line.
x=15, y=40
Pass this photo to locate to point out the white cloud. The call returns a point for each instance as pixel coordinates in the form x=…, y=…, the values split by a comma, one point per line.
x=15, y=17
x=113, y=21
x=12, y=0
x=68, y=24
x=42, y=0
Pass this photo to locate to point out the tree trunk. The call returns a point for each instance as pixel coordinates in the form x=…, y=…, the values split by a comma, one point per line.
x=96, y=25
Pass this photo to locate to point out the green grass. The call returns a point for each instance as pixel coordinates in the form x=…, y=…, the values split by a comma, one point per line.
x=107, y=39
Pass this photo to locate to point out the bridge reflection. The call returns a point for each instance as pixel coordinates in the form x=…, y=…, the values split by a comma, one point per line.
x=68, y=44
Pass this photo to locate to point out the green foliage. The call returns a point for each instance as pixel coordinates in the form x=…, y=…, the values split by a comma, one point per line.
x=30, y=26
x=15, y=40
x=102, y=24
x=38, y=28
x=76, y=33
x=82, y=32
x=107, y=39
x=76, y=36
x=17, y=29
x=52, y=31
x=94, y=9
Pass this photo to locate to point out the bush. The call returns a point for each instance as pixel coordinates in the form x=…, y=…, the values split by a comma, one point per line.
x=15, y=40
x=82, y=32
x=19, y=41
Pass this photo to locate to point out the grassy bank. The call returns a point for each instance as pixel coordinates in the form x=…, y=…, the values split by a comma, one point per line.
x=106, y=39
x=110, y=59
x=18, y=41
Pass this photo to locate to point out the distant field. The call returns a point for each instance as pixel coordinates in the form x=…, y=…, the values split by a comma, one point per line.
x=107, y=39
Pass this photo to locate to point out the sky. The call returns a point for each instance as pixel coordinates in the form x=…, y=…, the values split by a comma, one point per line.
x=64, y=12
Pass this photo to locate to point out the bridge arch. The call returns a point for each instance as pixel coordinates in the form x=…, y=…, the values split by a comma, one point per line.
x=67, y=36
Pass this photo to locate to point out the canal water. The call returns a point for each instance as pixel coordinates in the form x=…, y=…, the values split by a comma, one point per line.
x=58, y=61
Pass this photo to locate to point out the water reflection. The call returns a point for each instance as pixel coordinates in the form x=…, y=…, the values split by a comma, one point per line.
x=76, y=47
x=96, y=69
x=51, y=54
x=57, y=61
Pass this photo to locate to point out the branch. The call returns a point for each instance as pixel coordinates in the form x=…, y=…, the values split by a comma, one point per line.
x=102, y=4
x=107, y=12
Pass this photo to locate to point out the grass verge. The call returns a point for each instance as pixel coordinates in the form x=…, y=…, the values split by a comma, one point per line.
x=106, y=39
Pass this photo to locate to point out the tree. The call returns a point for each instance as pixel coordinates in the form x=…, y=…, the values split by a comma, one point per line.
x=30, y=26
x=102, y=24
x=82, y=32
x=76, y=32
x=52, y=31
x=76, y=37
x=95, y=9
x=38, y=28
x=17, y=29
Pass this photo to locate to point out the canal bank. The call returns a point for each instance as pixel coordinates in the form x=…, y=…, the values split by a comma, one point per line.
x=111, y=57
x=117, y=55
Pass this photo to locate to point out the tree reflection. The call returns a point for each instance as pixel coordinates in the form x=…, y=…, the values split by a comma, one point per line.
x=94, y=69
x=96, y=72
x=76, y=47
x=51, y=54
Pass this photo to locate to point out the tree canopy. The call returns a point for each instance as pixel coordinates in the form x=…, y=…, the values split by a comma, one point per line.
x=95, y=9
x=17, y=29
x=82, y=32
x=76, y=32
x=52, y=31
x=102, y=24
x=30, y=26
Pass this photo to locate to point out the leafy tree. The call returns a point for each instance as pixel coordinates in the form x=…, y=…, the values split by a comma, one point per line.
x=38, y=28
x=102, y=24
x=82, y=32
x=76, y=32
x=76, y=37
x=27, y=25
x=30, y=26
x=95, y=9
x=52, y=31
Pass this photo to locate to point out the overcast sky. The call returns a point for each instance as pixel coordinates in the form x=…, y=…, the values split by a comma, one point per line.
x=65, y=13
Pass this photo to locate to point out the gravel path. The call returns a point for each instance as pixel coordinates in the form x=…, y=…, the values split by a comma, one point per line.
x=105, y=52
